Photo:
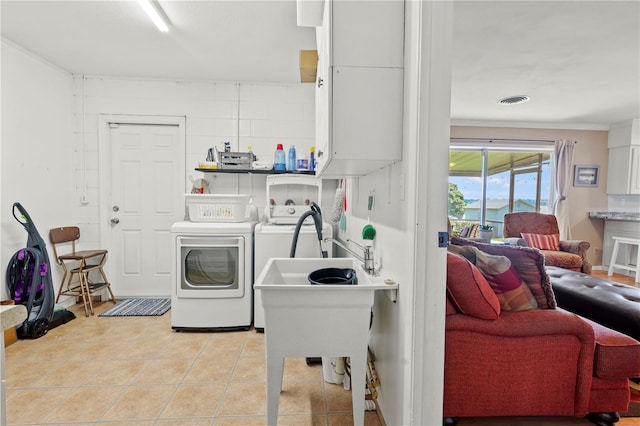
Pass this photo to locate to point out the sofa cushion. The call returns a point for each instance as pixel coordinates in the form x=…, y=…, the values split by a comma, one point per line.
x=542, y=241
x=468, y=290
x=617, y=355
x=528, y=261
x=513, y=294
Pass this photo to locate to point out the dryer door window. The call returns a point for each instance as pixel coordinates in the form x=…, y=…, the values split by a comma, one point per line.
x=211, y=267
x=215, y=267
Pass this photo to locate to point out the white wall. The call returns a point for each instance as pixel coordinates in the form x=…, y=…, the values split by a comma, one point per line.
x=268, y=114
x=37, y=149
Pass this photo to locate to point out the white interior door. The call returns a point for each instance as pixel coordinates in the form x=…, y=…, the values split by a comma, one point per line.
x=147, y=197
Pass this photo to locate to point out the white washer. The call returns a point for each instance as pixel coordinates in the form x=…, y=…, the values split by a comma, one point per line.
x=212, y=275
x=275, y=241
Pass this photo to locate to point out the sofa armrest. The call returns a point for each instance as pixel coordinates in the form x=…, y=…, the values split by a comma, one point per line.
x=512, y=358
x=538, y=322
x=575, y=246
x=580, y=248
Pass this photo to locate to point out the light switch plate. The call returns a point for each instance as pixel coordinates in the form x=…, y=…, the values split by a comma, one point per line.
x=443, y=239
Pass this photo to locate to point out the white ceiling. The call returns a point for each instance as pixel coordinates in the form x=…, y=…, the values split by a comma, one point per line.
x=578, y=60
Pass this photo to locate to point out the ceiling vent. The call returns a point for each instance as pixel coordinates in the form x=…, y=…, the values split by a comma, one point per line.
x=513, y=100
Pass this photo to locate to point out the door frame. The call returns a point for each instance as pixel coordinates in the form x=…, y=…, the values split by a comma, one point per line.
x=428, y=92
x=104, y=155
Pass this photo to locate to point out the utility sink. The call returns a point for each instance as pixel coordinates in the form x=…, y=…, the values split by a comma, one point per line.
x=291, y=273
x=307, y=320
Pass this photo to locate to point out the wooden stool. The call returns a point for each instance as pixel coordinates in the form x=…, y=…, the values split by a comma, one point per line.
x=612, y=264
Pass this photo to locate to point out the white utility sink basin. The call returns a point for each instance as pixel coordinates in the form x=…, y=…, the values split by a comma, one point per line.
x=291, y=273
x=307, y=320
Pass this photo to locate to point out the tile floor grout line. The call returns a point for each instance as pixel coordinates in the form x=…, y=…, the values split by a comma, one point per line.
x=184, y=375
x=229, y=379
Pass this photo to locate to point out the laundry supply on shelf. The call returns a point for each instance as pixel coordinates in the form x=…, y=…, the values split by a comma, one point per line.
x=303, y=162
x=279, y=158
x=291, y=162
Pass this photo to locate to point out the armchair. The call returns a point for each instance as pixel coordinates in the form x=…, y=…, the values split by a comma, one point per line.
x=570, y=254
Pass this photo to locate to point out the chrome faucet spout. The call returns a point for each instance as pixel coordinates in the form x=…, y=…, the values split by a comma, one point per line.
x=366, y=259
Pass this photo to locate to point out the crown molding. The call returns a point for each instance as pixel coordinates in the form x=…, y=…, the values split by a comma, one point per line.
x=530, y=125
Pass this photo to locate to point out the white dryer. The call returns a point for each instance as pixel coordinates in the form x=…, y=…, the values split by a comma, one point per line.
x=273, y=240
x=212, y=275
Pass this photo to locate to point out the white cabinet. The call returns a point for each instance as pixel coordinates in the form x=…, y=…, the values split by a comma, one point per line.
x=623, y=175
x=359, y=87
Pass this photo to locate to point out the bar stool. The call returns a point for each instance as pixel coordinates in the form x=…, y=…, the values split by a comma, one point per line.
x=614, y=256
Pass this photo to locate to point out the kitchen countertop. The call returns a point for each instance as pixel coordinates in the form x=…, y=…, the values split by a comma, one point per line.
x=622, y=216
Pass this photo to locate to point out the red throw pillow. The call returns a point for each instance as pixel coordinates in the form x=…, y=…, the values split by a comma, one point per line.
x=468, y=289
x=542, y=241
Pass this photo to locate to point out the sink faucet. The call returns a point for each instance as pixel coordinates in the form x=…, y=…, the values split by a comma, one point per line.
x=366, y=258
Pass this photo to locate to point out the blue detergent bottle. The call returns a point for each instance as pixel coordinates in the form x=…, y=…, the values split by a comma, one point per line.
x=292, y=163
x=279, y=159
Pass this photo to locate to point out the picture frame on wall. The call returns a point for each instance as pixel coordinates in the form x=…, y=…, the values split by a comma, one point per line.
x=586, y=175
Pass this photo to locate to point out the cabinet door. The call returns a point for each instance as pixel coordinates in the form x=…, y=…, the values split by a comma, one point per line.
x=323, y=123
x=634, y=172
x=618, y=170
x=366, y=113
x=623, y=175
x=367, y=33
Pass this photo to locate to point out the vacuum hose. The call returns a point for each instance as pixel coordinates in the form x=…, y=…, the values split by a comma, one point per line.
x=316, y=213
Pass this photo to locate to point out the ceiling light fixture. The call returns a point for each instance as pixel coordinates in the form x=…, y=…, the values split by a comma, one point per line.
x=513, y=100
x=153, y=9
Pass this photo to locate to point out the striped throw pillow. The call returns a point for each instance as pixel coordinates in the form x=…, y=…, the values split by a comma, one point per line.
x=542, y=241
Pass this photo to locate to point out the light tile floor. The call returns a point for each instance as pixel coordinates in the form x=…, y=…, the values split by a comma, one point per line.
x=137, y=371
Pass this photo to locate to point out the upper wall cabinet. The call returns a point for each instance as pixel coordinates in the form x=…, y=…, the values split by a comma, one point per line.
x=623, y=172
x=359, y=86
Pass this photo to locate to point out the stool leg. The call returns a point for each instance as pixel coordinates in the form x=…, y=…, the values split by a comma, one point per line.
x=104, y=277
x=84, y=291
x=614, y=256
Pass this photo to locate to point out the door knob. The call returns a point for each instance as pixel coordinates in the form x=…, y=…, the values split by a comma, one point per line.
x=115, y=221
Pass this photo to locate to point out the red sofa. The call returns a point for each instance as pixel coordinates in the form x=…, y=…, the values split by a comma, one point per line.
x=537, y=362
